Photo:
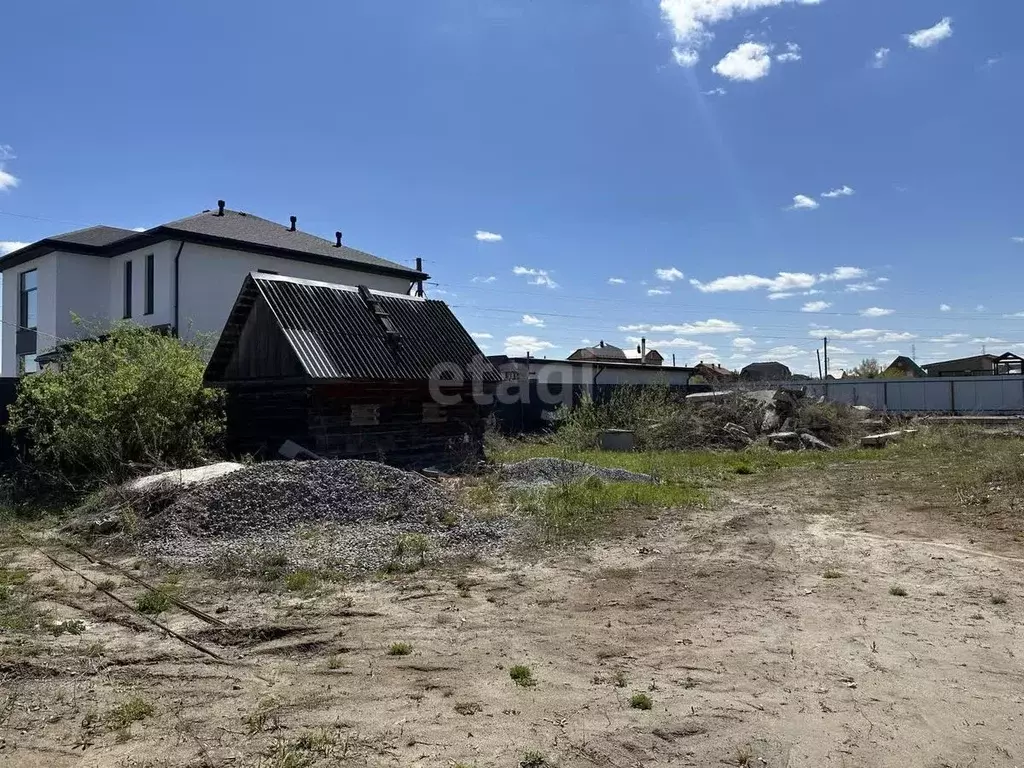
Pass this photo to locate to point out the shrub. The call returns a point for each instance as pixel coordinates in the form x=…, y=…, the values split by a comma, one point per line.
x=640, y=701
x=153, y=602
x=132, y=399
x=835, y=423
x=399, y=649
x=522, y=676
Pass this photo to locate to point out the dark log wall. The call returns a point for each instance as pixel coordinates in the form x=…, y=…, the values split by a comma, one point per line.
x=261, y=417
x=394, y=422
x=410, y=429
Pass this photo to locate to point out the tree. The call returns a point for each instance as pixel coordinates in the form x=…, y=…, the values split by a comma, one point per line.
x=131, y=400
x=868, y=369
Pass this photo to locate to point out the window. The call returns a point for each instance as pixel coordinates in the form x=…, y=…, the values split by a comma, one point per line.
x=27, y=364
x=149, y=284
x=127, y=289
x=27, y=284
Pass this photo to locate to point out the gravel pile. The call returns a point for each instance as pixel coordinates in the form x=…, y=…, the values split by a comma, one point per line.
x=549, y=471
x=331, y=514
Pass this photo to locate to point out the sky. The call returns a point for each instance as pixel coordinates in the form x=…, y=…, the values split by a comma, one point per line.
x=733, y=180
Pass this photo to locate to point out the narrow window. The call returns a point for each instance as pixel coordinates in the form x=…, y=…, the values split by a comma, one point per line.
x=149, y=284
x=27, y=285
x=127, y=289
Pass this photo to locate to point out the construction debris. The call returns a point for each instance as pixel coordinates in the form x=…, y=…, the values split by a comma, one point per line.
x=883, y=439
x=549, y=471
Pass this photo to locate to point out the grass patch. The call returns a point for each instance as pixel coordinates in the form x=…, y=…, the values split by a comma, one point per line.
x=468, y=707
x=640, y=701
x=831, y=573
x=533, y=759
x=153, y=602
x=128, y=712
x=522, y=676
x=300, y=581
x=897, y=591
x=400, y=649
x=997, y=599
x=264, y=717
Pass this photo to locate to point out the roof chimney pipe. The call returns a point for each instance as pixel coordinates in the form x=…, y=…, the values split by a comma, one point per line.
x=220, y=207
x=337, y=239
x=293, y=219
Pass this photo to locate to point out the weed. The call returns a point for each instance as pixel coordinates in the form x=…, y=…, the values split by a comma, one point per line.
x=744, y=756
x=468, y=707
x=153, y=602
x=274, y=566
x=68, y=626
x=898, y=591
x=399, y=649
x=94, y=650
x=640, y=701
x=533, y=759
x=522, y=676
x=300, y=581
x=997, y=599
x=744, y=469
x=831, y=573
x=106, y=584
x=264, y=717
x=335, y=661
x=320, y=741
x=128, y=712
x=414, y=545
x=619, y=679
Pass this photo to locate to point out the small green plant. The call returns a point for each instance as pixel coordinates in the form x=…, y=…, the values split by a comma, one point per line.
x=522, y=676
x=399, y=649
x=153, y=602
x=533, y=759
x=744, y=469
x=321, y=742
x=640, y=701
x=898, y=591
x=68, y=626
x=128, y=712
x=335, y=661
x=831, y=573
x=468, y=707
x=414, y=545
x=300, y=581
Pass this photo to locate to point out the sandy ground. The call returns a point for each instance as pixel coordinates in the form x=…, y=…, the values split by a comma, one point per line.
x=723, y=617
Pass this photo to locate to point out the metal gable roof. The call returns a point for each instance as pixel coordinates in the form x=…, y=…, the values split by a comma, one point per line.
x=336, y=334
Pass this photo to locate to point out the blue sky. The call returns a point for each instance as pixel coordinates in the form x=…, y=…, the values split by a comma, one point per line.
x=757, y=173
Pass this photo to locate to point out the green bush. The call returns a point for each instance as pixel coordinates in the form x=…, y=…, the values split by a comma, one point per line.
x=132, y=400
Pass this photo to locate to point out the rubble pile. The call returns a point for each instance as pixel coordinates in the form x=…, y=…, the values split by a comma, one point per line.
x=549, y=471
x=344, y=514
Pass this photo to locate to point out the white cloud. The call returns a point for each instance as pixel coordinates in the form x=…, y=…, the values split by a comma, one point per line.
x=712, y=325
x=787, y=352
x=949, y=338
x=1019, y=239
x=862, y=287
x=480, y=279
x=9, y=246
x=815, y=306
x=867, y=335
x=518, y=346
x=843, y=191
x=1016, y=314
x=481, y=335
x=747, y=62
x=782, y=286
x=980, y=308
x=945, y=308
x=744, y=343
x=714, y=92
x=540, y=276
x=669, y=275
x=880, y=58
x=488, y=237
x=657, y=292
x=615, y=281
x=803, y=203
x=676, y=343
x=876, y=312
x=531, y=320
x=926, y=38
x=792, y=53
x=988, y=340
x=7, y=181
x=690, y=20
x=138, y=229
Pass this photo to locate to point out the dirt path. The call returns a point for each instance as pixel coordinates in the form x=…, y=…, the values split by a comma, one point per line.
x=724, y=618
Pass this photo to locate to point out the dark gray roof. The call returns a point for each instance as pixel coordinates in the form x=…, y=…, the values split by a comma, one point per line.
x=97, y=237
x=253, y=230
x=335, y=335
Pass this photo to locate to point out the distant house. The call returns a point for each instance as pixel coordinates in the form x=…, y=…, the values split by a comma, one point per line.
x=347, y=372
x=904, y=367
x=653, y=357
x=770, y=371
x=714, y=373
x=606, y=353
x=979, y=365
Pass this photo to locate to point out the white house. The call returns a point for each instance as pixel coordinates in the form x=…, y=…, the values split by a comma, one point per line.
x=183, y=276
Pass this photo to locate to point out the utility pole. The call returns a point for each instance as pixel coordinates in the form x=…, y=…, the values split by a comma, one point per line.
x=818, y=353
x=826, y=356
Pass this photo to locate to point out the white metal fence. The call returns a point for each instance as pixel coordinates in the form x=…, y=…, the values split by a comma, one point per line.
x=954, y=394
